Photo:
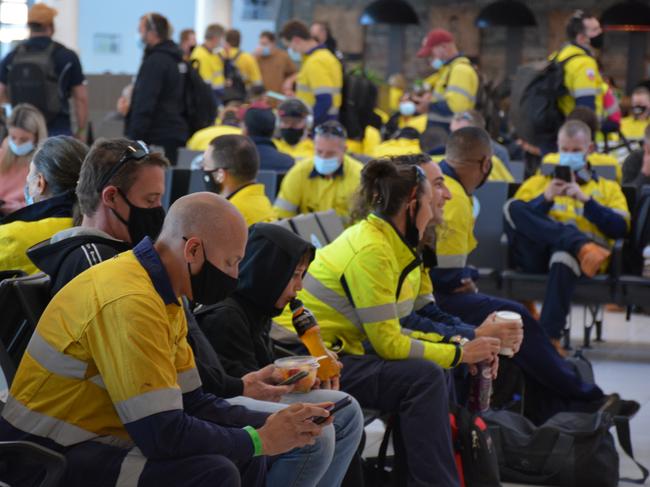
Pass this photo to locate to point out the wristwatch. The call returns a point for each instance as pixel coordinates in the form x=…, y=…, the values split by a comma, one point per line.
x=460, y=340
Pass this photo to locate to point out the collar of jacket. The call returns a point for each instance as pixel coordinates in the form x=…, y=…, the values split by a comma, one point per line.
x=59, y=206
x=150, y=260
x=447, y=170
x=239, y=189
x=319, y=46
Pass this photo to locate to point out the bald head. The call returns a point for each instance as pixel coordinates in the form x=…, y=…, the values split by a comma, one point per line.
x=468, y=145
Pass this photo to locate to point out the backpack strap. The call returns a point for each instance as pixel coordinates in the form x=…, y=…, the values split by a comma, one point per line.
x=622, y=424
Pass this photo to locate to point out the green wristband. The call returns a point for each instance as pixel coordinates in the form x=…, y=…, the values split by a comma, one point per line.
x=257, y=441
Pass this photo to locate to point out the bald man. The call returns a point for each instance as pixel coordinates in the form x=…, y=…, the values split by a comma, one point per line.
x=109, y=379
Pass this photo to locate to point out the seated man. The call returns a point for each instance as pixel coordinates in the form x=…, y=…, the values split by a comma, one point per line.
x=326, y=181
x=403, y=142
x=634, y=125
x=227, y=123
x=131, y=409
x=259, y=125
x=230, y=165
x=49, y=194
x=295, y=122
x=238, y=329
x=568, y=227
x=636, y=168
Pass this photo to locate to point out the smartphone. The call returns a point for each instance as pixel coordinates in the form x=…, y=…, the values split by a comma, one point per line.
x=294, y=378
x=346, y=401
x=563, y=173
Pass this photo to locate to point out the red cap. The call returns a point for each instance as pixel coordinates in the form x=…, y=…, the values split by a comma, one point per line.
x=434, y=38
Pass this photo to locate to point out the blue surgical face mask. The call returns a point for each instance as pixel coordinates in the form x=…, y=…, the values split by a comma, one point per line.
x=437, y=63
x=326, y=166
x=28, y=198
x=266, y=50
x=407, y=108
x=574, y=160
x=139, y=42
x=294, y=55
x=21, y=149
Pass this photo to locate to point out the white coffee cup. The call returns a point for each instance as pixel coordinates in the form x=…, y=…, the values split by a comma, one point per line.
x=507, y=317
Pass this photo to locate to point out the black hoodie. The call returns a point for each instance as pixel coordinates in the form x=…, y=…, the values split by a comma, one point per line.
x=238, y=328
x=157, y=103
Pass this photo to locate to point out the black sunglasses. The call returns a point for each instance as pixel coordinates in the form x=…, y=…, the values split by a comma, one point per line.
x=136, y=151
x=331, y=129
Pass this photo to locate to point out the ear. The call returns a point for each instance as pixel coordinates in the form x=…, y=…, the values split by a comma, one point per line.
x=41, y=184
x=108, y=195
x=592, y=148
x=192, y=250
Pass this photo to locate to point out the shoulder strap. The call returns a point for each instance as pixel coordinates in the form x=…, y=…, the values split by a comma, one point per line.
x=622, y=424
x=562, y=63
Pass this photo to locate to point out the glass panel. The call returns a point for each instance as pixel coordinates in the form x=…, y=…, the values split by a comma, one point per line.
x=13, y=13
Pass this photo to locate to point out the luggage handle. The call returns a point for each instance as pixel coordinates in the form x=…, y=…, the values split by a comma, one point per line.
x=622, y=424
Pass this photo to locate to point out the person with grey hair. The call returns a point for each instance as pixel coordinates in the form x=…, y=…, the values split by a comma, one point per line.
x=49, y=192
x=566, y=222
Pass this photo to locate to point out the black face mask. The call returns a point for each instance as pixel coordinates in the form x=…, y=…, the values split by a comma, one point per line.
x=485, y=177
x=292, y=136
x=143, y=222
x=597, y=41
x=210, y=285
x=210, y=184
x=639, y=109
x=412, y=235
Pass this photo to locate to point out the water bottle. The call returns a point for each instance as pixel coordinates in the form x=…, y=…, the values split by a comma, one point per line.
x=480, y=388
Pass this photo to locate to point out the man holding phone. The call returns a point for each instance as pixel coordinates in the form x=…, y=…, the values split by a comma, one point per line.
x=566, y=222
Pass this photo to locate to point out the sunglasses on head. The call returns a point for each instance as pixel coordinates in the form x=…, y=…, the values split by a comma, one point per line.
x=336, y=130
x=135, y=151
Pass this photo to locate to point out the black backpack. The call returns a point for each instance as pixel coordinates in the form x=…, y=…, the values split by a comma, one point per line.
x=198, y=99
x=235, y=87
x=536, y=88
x=357, y=104
x=33, y=79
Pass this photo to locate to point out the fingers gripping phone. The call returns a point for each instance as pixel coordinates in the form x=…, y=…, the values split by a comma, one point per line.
x=346, y=401
x=294, y=378
x=563, y=173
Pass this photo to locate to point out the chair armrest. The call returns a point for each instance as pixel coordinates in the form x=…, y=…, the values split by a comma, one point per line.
x=53, y=462
x=616, y=260
x=505, y=252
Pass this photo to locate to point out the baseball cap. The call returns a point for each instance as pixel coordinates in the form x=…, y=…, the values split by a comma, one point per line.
x=434, y=38
x=293, y=108
x=41, y=14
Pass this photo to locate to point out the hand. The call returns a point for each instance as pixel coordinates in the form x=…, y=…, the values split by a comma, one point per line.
x=334, y=383
x=645, y=167
x=573, y=191
x=257, y=52
x=422, y=101
x=292, y=427
x=261, y=385
x=287, y=85
x=556, y=187
x=510, y=333
x=468, y=286
x=479, y=349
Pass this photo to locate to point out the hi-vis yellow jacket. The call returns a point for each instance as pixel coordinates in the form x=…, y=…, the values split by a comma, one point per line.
x=210, y=67
x=581, y=78
x=455, y=90
x=320, y=74
x=359, y=287
x=252, y=203
x=499, y=170
x=594, y=159
x=303, y=150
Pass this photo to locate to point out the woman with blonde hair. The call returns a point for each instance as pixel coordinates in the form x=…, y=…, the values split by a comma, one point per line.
x=27, y=130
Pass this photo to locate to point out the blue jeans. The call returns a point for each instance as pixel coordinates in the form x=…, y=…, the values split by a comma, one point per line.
x=325, y=462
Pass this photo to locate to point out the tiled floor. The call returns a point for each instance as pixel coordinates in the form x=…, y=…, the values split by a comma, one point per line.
x=621, y=364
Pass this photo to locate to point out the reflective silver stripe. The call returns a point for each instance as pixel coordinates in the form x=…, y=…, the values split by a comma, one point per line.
x=285, y=205
x=98, y=381
x=114, y=441
x=54, y=361
x=189, y=380
x=406, y=331
x=40, y=424
x=374, y=314
x=598, y=239
x=461, y=91
x=149, y=403
x=422, y=300
x=417, y=349
x=131, y=469
x=436, y=117
x=330, y=298
x=326, y=90
x=333, y=110
x=559, y=207
x=437, y=96
x=584, y=92
x=217, y=86
x=446, y=261
x=404, y=308
x=623, y=213
x=567, y=259
x=506, y=213
x=301, y=87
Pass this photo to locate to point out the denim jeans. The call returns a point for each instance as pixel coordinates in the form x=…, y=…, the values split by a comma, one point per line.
x=324, y=463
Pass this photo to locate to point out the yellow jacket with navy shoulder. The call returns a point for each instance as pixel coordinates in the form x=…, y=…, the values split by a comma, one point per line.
x=247, y=66
x=30, y=225
x=303, y=190
x=584, y=216
x=581, y=78
x=202, y=138
x=594, y=159
x=634, y=129
x=109, y=358
x=303, y=150
x=455, y=237
x=366, y=146
x=499, y=170
x=320, y=74
x=252, y=203
x=455, y=89
x=382, y=277
x=210, y=67
x=397, y=147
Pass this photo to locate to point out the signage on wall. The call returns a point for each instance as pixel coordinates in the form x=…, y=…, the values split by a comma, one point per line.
x=260, y=9
x=107, y=43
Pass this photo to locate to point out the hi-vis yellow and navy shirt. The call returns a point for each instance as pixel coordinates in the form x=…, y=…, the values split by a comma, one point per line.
x=454, y=91
x=304, y=190
x=210, y=67
x=247, y=66
x=499, y=170
x=303, y=150
x=109, y=359
x=634, y=129
x=358, y=288
x=319, y=84
x=253, y=204
x=604, y=218
x=31, y=225
x=594, y=159
x=582, y=79
x=202, y=138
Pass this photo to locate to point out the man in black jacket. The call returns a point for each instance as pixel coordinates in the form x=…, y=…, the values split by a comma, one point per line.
x=156, y=113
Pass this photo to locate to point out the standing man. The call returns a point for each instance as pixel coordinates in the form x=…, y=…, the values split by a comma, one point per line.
x=274, y=63
x=633, y=126
x=187, y=42
x=50, y=75
x=243, y=61
x=320, y=79
x=157, y=105
x=457, y=81
x=210, y=64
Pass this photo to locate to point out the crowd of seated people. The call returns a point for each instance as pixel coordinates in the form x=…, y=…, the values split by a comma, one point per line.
x=154, y=362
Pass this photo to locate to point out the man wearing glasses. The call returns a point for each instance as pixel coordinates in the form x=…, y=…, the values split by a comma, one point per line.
x=326, y=181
